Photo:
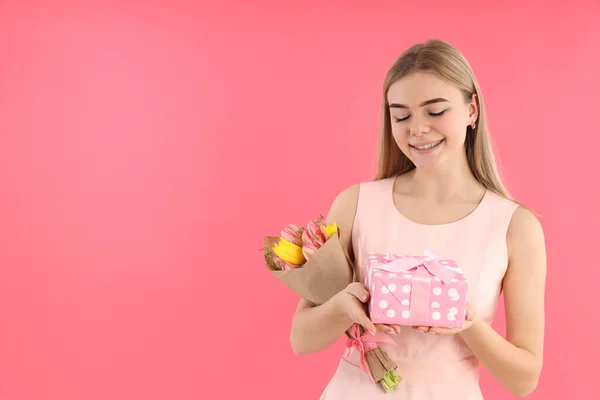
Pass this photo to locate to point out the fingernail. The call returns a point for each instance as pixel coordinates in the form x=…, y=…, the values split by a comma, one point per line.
x=364, y=297
x=432, y=333
x=392, y=332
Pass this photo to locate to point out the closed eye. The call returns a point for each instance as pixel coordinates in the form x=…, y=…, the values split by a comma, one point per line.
x=437, y=114
x=432, y=114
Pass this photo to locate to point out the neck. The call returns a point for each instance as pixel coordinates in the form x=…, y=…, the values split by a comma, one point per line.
x=452, y=179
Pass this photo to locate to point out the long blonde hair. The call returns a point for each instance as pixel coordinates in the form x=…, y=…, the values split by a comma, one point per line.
x=447, y=63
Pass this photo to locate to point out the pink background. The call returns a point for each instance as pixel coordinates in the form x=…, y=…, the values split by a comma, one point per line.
x=145, y=150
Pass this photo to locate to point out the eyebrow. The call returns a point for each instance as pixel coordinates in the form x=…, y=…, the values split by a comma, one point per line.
x=436, y=100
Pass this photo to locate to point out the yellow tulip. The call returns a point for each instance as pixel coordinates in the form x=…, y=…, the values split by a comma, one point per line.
x=330, y=229
x=289, y=252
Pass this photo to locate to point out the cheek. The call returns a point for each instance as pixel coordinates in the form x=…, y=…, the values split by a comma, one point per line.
x=454, y=134
x=400, y=135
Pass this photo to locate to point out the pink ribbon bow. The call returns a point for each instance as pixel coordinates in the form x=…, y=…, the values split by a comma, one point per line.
x=430, y=262
x=363, y=344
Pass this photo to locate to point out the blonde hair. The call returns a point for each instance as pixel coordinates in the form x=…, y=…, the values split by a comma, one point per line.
x=447, y=63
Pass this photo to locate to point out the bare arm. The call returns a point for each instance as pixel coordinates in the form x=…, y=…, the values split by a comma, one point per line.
x=516, y=362
x=316, y=327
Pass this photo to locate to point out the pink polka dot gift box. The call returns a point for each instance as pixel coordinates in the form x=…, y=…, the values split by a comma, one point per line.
x=416, y=290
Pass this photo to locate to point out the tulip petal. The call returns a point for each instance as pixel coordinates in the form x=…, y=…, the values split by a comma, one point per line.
x=329, y=230
x=309, y=250
x=292, y=233
x=289, y=252
x=313, y=235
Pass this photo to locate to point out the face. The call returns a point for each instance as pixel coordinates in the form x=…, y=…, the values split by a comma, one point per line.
x=429, y=119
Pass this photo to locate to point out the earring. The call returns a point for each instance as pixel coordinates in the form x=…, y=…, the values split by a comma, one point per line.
x=473, y=125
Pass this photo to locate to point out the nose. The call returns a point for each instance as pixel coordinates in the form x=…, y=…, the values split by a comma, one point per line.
x=418, y=127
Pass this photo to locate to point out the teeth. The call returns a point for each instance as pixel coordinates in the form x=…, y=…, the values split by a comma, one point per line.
x=428, y=146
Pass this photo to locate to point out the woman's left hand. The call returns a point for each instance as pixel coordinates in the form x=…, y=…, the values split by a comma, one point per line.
x=470, y=317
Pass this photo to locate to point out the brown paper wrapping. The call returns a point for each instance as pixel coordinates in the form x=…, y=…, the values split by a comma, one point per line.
x=380, y=363
x=326, y=273
x=323, y=275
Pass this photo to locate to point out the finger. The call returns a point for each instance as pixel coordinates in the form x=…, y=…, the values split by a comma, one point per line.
x=359, y=291
x=470, y=312
x=396, y=328
x=360, y=317
x=385, y=329
x=469, y=315
x=421, y=328
x=443, y=331
x=368, y=325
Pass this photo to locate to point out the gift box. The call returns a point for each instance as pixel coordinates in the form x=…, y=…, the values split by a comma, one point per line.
x=416, y=290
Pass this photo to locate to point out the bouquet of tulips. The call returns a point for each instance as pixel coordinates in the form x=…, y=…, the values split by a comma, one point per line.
x=311, y=261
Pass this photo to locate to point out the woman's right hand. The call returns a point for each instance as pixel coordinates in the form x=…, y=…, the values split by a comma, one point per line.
x=353, y=301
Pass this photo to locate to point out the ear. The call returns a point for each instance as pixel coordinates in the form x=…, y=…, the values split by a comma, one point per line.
x=473, y=109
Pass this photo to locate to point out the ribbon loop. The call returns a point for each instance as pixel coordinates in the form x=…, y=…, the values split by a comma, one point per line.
x=430, y=261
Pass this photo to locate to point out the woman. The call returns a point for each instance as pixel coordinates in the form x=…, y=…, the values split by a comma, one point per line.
x=437, y=187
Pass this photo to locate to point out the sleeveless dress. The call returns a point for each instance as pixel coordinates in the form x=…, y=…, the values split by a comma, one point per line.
x=432, y=366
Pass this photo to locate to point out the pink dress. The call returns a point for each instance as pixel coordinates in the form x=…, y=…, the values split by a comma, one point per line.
x=432, y=367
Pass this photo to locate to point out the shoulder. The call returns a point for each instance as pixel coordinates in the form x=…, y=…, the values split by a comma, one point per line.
x=500, y=202
x=345, y=204
x=343, y=207
x=521, y=228
x=525, y=236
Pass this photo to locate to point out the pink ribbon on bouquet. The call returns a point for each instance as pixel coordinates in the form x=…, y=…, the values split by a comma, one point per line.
x=363, y=344
x=421, y=268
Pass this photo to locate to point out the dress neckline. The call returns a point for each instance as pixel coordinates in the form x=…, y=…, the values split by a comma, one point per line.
x=462, y=219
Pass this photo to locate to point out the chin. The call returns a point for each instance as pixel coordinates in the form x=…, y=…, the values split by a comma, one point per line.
x=427, y=159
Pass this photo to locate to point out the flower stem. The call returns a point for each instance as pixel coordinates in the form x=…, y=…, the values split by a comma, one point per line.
x=390, y=381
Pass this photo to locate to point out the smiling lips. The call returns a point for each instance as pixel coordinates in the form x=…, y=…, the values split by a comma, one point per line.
x=426, y=146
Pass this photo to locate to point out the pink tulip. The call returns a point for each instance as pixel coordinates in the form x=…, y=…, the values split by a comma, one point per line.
x=307, y=240
x=292, y=233
x=315, y=228
x=312, y=235
x=309, y=250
